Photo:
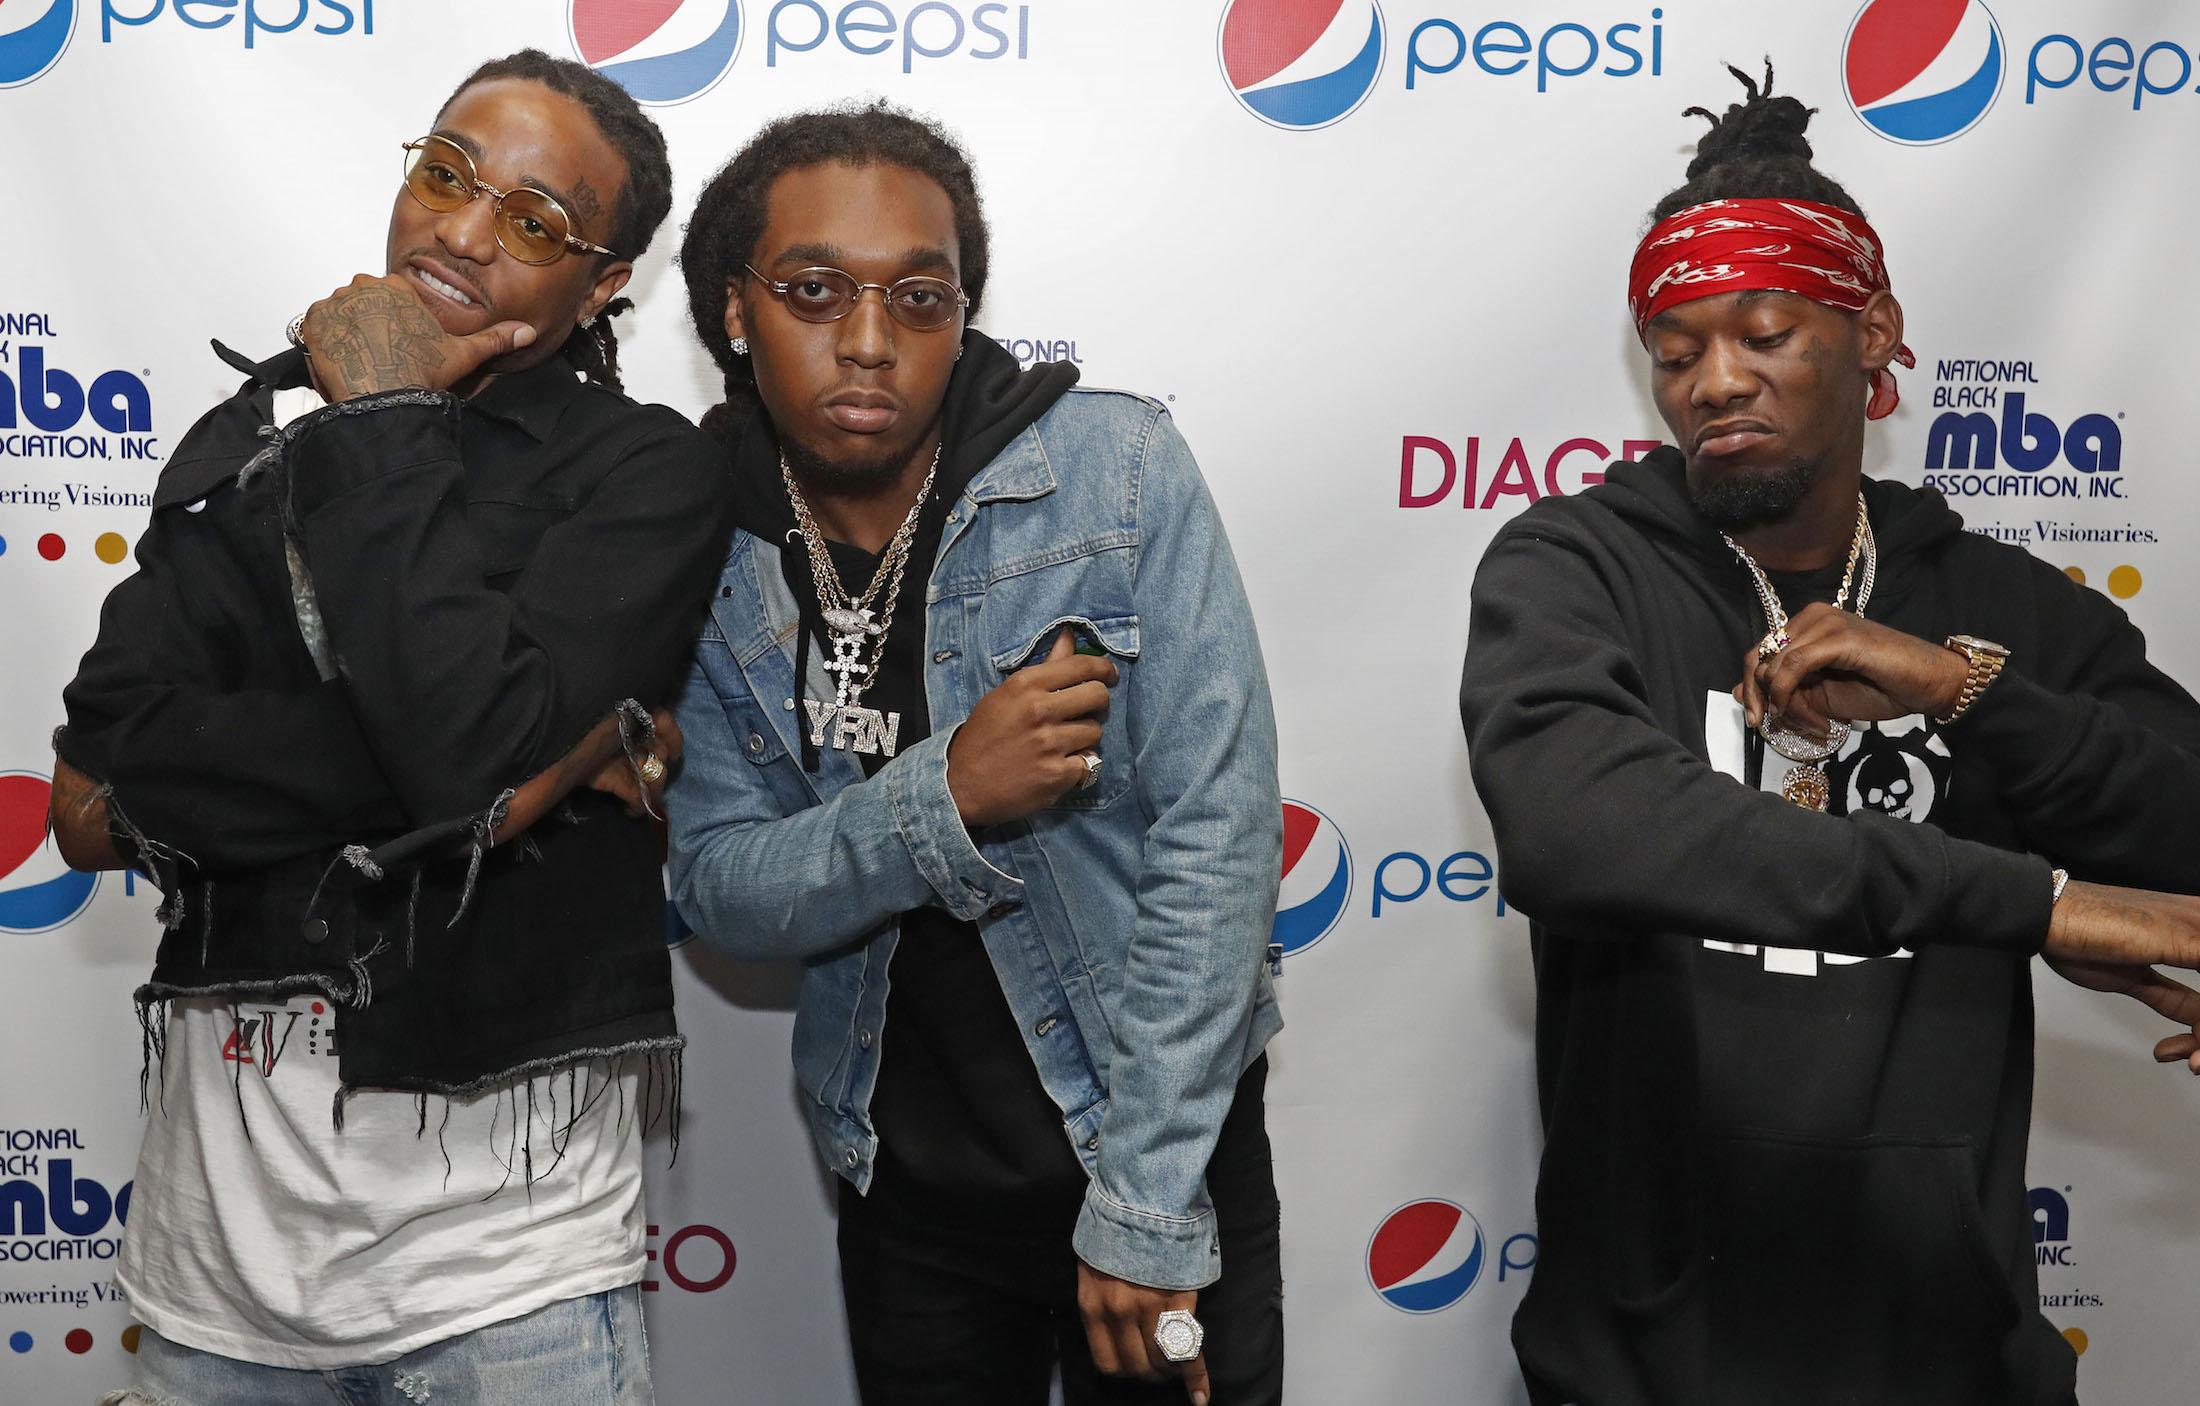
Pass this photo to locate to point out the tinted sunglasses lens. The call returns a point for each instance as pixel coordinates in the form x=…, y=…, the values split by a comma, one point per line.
x=925, y=304
x=439, y=175
x=532, y=227
x=820, y=295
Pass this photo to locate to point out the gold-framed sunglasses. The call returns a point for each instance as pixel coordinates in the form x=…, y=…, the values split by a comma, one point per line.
x=531, y=225
x=826, y=294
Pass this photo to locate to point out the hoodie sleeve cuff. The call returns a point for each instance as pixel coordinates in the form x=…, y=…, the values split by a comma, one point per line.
x=1998, y=898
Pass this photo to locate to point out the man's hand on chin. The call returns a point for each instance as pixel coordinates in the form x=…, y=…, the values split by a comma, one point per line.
x=374, y=334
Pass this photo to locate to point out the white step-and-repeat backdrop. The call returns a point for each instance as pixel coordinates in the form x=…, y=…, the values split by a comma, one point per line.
x=1372, y=253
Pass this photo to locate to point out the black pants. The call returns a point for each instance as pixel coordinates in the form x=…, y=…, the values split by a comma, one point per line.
x=954, y=1316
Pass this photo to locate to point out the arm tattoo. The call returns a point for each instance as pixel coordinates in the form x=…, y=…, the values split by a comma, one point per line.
x=379, y=338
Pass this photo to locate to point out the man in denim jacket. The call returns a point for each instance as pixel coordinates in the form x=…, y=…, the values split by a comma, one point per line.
x=1016, y=812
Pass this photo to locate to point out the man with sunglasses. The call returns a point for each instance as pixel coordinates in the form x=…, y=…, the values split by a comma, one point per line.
x=979, y=730
x=394, y=601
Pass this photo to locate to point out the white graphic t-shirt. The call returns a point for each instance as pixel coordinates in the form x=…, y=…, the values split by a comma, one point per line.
x=259, y=1231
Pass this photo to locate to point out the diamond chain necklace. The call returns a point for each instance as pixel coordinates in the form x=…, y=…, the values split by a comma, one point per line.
x=858, y=624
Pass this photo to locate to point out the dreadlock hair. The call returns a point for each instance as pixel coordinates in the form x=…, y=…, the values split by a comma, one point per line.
x=730, y=216
x=1755, y=152
x=644, y=199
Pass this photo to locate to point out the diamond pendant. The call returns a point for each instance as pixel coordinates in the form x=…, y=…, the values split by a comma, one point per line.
x=1807, y=787
x=1801, y=746
x=851, y=621
x=866, y=731
x=846, y=665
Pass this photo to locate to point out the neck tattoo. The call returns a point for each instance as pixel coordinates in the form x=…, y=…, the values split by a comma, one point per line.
x=858, y=625
x=1806, y=784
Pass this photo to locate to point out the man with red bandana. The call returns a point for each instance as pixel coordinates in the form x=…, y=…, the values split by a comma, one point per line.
x=1794, y=777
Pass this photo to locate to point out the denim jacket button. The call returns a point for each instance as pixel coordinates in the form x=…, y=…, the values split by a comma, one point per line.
x=849, y=1157
x=1092, y=1144
x=314, y=930
x=863, y=1039
x=756, y=744
x=787, y=706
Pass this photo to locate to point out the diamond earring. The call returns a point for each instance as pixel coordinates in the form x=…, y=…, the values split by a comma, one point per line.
x=740, y=346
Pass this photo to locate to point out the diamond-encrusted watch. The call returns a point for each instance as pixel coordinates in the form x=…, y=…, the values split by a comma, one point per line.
x=1987, y=659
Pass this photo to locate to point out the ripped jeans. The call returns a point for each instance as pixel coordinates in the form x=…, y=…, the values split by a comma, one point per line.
x=589, y=1351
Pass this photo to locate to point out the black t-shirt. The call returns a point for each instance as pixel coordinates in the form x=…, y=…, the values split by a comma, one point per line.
x=966, y=1130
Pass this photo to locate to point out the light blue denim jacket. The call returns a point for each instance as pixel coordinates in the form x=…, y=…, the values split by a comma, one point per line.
x=1129, y=922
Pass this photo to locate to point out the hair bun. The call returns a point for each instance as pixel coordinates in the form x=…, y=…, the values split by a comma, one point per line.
x=1762, y=126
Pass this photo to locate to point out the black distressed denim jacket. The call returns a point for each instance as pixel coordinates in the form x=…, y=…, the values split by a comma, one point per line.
x=491, y=577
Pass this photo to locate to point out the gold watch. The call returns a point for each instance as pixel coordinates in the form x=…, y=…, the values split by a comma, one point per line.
x=1987, y=659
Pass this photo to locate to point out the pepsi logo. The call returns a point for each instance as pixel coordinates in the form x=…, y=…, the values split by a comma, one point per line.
x=1425, y=1256
x=33, y=35
x=1317, y=878
x=38, y=892
x=661, y=51
x=1922, y=71
x=1302, y=64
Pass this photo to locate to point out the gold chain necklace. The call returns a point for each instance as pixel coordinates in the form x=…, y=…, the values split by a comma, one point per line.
x=1806, y=784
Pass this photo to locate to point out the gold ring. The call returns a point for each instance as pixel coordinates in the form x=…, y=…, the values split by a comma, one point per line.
x=652, y=769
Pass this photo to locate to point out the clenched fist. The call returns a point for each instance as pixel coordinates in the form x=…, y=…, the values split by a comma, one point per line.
x=1022, y=747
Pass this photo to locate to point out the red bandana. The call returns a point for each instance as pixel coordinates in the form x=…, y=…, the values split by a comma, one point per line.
x=1793, y=246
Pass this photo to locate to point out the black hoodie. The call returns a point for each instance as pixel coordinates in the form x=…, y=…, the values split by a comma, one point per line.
x=1784, y=1058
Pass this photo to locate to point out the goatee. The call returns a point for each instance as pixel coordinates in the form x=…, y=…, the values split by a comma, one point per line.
x=1741, y=501
x=843, y=476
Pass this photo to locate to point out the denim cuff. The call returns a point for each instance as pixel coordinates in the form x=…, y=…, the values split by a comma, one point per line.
x=1160, y=1252
x=926, y=818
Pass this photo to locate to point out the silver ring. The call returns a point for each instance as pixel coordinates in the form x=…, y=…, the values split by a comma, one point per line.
x=295, y=331
x=1092, y=770
x=1178, y=1334
x=652, y=769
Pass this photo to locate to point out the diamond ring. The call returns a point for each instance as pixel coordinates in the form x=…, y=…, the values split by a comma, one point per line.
x=1178, y=1335
x=652, y=769
x=1092, y=770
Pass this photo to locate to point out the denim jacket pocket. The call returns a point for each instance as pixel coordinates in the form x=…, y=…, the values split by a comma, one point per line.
x=1117, y=633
